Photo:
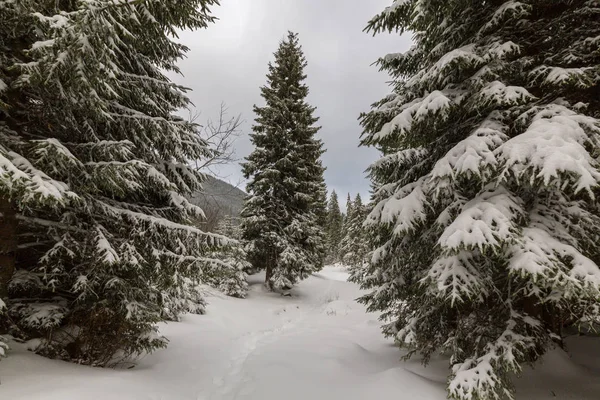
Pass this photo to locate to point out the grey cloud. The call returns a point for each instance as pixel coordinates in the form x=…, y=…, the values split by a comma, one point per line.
x=228, y=62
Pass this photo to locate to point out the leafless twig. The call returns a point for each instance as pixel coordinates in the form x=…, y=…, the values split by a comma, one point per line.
x=220, y=136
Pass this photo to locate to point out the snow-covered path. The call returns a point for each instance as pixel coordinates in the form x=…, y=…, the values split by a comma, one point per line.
x=317, y=344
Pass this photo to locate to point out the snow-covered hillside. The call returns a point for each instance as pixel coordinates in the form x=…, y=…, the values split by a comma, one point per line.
x=317, y=344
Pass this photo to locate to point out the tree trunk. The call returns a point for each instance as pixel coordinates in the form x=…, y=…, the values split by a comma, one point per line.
x=8, y=244
x=269, y=271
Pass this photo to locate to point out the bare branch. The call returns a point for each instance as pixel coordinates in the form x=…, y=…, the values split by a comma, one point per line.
x=220, y=136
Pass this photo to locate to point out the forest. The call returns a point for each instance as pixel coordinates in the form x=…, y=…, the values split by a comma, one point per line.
x=462, y=263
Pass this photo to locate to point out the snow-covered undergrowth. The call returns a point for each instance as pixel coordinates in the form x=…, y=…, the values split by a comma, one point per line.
x=317, y=344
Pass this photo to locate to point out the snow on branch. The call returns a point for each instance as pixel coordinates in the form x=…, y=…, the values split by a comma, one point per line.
x=510, y=9
x=500, y=50
x=435, y=103
x=103, y=149
x=181, y=203
x=497, y=94
x=552, y=149
x=488, y=220
x=38, y=186
x=162, y=223
x=405, y=208
x=400, y=158
x=40, y=315
x=562, y=267
x=438, y=75
x=456, y=277
x=192, y=260
x=475, y=154
x=104, y=249
x=578, y=77
x=396, y=5
x=3, y=347
x=482, y=376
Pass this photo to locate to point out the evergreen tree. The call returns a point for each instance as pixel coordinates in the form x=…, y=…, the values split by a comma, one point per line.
x=283, y=217
x=349, y=218
x=486, y=218
x=333, y=228
x=93, y=174
x=230, y=226
x=345, y=219
x=231, y=277
x=353, y=247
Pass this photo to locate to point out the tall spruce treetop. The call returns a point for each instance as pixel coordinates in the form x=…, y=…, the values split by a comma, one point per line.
x=348, y=205
x=486, y=217
x=93, y=174
x=283, y=216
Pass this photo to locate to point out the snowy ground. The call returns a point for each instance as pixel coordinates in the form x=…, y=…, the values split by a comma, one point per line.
x=318, y=344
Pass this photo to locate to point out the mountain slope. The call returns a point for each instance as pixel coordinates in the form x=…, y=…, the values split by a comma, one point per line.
x=218, y=199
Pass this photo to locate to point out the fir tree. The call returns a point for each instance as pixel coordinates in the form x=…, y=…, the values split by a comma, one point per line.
x=486, y=218
x=353, y=247
x=333, y=228
x=283, y=217
x=231, y=277
x=93, y=174
x=345, y=218
x=230, y=226
x=346, y=228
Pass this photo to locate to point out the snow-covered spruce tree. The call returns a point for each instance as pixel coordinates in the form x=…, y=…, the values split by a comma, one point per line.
x=333, y=229
x=486, y=217
x=231, y=279
x=345, y=217
x=93, y=173
x=348, y=220
x=230, y=227
x=283, y=216
x=354, y=247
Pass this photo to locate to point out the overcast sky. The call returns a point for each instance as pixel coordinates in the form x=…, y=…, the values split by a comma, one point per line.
x=228, y=63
